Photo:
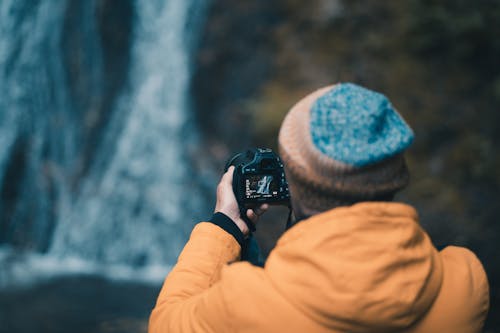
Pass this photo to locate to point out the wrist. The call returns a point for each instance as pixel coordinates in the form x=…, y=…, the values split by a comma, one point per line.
x=238, y=221
x=230, y=226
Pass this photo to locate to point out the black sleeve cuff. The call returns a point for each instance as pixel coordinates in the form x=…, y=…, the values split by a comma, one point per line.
x=223, y=221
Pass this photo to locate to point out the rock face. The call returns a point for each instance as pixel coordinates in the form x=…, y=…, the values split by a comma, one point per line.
x=234, y=60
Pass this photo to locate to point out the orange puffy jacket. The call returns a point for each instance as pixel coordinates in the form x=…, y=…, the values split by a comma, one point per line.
x=365, y=268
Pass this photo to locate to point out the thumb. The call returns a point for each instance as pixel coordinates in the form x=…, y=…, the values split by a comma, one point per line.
x=227, y=178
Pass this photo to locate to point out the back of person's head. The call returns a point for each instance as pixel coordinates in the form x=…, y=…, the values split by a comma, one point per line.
x=343, y=144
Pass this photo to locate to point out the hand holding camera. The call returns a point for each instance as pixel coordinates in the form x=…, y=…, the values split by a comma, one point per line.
x=257, y=180
x=227, y=203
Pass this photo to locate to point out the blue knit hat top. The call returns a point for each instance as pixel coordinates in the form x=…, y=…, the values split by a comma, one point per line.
x=357, y=126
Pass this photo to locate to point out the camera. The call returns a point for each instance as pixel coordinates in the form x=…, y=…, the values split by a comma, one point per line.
x=259, y=177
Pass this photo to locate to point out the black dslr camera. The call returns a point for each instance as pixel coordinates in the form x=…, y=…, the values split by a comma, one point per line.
x=258, y=178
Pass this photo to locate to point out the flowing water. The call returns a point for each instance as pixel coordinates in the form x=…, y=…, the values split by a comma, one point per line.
x=95, y=136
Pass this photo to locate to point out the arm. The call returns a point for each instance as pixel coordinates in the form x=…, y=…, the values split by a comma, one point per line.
x=191, y=299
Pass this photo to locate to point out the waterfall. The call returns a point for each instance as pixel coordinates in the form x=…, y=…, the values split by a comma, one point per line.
x=95, y=133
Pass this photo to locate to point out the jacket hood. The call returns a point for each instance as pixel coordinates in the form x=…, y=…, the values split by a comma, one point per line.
x=369, y=265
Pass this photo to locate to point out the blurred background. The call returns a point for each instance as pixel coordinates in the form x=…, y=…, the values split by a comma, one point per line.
x=116, y=118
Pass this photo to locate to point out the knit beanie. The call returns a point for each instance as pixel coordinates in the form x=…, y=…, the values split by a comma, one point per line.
x=344, y=143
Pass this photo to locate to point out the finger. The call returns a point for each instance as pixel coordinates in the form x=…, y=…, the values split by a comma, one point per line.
x=261, y=209
x=252, y=216
x=226, y=181
x=227, y=178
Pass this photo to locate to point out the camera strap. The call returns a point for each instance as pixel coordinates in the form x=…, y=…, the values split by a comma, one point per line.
x=289, y=219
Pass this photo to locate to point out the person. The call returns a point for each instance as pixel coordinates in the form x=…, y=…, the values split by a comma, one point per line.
x=355, y=260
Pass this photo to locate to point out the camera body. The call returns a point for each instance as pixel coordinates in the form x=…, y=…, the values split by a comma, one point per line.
x=259, y=177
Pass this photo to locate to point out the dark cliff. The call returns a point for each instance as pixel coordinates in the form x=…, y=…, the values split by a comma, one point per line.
x=436, y=61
